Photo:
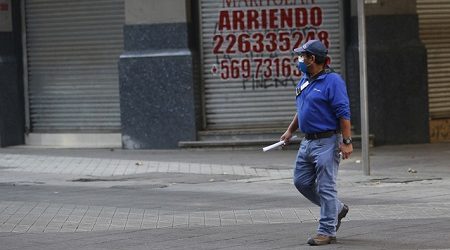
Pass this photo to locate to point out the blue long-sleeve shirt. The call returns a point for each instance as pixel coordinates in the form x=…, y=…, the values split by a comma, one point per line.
x=322, y=103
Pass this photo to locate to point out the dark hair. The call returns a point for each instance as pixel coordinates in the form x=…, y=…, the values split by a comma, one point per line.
x=319, y=59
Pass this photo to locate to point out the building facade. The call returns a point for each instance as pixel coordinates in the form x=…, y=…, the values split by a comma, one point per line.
x=148, y=74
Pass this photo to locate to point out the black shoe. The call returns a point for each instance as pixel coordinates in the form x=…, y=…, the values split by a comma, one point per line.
x=341, y=215
x=321, y=239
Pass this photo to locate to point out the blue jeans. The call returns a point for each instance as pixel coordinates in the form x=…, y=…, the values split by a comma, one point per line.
x=315, y=176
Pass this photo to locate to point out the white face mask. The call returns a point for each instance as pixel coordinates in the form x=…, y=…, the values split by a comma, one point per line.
x=303, y=67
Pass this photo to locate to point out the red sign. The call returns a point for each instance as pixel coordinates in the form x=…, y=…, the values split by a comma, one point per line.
x=256, y=43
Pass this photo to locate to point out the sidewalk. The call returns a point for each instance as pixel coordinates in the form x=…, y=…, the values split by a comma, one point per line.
x=216, y=199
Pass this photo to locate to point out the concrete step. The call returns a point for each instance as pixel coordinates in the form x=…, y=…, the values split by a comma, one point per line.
x=241, y=134
x=252, y=139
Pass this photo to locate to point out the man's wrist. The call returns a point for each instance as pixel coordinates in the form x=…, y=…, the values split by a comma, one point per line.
x=347, y=140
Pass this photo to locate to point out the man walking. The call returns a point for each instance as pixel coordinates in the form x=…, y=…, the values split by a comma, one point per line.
x=323, y=115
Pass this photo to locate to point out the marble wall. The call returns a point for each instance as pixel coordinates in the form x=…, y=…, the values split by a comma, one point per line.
x=12, y=113
x=156, y=77
x=397, y=79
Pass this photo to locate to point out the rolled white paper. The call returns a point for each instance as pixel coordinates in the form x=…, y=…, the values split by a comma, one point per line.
x=277, y=144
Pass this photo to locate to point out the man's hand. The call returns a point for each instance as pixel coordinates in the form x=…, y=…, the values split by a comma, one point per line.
x=346, y=150
x=286, y=136
x=290, y=130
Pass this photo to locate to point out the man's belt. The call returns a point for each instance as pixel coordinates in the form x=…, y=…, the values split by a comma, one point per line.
x=321, y=135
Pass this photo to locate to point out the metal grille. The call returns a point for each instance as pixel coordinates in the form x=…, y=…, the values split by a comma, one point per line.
x=73, y=49
x=258, y=100
x=434, y=24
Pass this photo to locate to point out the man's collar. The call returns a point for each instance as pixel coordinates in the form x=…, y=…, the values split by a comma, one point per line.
x=320, y=75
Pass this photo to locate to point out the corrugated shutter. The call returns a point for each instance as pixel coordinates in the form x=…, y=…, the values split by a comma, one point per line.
x=73, y=49
x=259, y=101
x=434, y=24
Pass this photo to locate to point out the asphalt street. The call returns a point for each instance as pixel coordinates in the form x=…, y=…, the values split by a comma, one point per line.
x=216, y=199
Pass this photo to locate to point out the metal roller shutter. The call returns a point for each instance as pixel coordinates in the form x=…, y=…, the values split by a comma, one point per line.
x=434, y=24
x=72, y=53
x=248, y=68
